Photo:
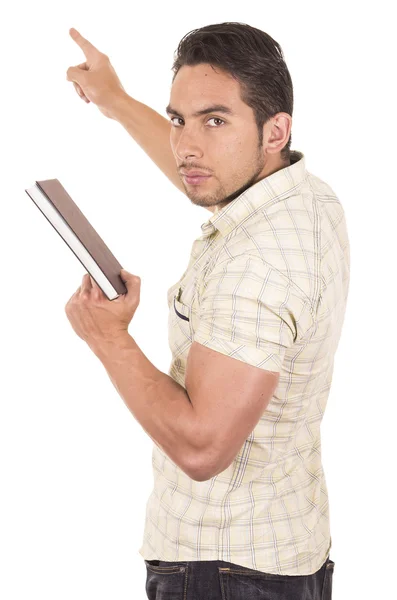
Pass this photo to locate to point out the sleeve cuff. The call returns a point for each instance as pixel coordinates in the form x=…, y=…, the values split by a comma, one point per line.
x=257, y=357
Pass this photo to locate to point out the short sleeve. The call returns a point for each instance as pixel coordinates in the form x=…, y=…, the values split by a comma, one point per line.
x=252, y=312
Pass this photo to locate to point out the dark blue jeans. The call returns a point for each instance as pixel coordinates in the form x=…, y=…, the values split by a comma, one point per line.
x=220, y=580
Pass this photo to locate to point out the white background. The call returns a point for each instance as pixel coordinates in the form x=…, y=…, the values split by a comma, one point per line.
x=75, y=466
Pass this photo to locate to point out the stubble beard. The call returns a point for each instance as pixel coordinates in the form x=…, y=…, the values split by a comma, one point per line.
x=220, y=199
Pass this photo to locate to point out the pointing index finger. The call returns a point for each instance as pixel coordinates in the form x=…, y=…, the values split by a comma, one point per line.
x=86, y=46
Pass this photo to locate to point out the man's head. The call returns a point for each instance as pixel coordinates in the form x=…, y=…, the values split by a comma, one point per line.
x=242, y=69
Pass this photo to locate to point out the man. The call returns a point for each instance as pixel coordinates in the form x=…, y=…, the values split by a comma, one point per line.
x=240, y=504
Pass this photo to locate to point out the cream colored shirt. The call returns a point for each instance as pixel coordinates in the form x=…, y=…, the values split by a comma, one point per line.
x=267, y=284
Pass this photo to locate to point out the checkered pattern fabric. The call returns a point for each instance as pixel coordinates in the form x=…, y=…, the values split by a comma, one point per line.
x=267, y=284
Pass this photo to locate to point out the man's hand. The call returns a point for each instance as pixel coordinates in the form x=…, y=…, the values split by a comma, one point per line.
x=95, y=80
x=96, y=319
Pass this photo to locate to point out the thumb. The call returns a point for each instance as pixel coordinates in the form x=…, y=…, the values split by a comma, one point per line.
x=129, y=278
x=125, y=275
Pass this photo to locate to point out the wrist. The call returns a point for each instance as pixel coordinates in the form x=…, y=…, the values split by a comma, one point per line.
x=104, y=347
x=121, y=106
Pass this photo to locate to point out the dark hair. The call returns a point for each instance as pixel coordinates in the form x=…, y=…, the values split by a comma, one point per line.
x=253, y=58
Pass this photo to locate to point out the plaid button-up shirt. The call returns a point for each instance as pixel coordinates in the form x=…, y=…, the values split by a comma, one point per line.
x=267, y=284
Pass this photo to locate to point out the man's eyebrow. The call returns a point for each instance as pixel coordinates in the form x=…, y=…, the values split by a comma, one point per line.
x=221, y=108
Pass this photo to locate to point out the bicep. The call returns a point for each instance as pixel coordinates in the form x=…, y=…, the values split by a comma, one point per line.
x=228, y=397
x=250, y=315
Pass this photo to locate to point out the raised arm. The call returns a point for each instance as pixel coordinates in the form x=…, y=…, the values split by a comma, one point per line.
x=96, y=81
x=151, y=131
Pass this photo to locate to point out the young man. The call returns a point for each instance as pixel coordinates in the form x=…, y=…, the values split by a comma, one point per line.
x=240, y=502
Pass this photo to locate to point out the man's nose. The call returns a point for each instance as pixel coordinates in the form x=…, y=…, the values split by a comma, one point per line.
x=188, y=145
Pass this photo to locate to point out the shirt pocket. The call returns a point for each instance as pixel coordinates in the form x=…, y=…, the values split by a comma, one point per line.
x=180, y=328
x=182, y=310
x=182, y=318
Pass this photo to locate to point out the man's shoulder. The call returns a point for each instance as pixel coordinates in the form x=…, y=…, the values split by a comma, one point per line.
x=280, y=237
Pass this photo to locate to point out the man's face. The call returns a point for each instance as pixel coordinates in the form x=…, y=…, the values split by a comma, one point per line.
x=224, y=146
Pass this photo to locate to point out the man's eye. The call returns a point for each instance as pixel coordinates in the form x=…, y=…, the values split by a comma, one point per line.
x=216, y=119
x=175, y=118
x=211, y=119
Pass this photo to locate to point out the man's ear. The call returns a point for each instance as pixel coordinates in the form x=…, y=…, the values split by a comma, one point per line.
x=276, y=132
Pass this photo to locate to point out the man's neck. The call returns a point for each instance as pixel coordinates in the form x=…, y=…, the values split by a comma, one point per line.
x=269, y=171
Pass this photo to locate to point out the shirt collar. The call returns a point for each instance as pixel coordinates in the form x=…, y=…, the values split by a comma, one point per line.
x=282, y=183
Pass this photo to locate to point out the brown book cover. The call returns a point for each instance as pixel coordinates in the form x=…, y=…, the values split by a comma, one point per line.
x=67, y=219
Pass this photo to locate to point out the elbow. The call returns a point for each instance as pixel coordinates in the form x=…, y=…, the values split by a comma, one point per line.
x=200, y=475
x=203, y=466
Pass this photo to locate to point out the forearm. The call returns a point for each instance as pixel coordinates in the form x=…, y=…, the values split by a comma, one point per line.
x=151, y=131
x=157, y=401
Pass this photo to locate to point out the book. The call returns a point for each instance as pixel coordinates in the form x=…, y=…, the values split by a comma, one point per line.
x=62, y=212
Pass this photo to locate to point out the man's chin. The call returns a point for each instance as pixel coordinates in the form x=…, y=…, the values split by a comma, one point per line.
x=199, y=201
